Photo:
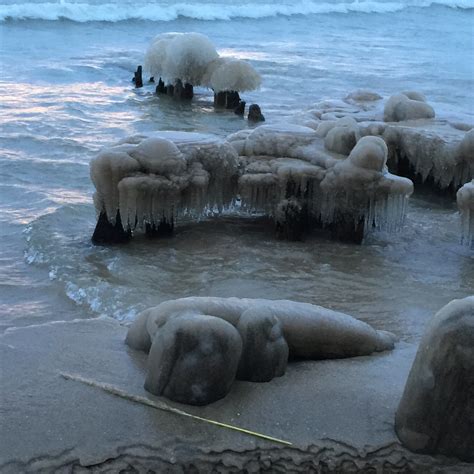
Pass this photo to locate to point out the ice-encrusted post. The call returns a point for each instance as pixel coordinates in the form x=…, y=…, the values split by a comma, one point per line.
x=107, y=233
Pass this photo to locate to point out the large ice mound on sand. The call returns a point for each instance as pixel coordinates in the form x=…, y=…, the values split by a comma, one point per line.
x=465, y=199
x=420, y=147
x=155, y=178
x=195, y=342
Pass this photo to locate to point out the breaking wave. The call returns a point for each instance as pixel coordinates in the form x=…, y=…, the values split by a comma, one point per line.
x=114, y=12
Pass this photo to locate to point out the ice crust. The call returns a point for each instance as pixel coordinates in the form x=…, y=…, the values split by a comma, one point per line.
x=162, y=176
x=293, y=162
x=465, y=199
x=435, y=149
x=273, y=169
x=193, y=59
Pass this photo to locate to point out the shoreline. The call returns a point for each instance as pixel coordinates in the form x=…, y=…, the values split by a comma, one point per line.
x=67, y=426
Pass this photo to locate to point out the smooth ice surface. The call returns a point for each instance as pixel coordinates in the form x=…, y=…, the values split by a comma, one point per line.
x=311, y=331
x=465, y=199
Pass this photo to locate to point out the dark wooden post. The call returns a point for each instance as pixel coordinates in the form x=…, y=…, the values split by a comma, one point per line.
x=107, y=233
x=138, y=79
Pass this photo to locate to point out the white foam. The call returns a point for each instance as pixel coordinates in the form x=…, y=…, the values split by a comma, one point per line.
x=113, y=12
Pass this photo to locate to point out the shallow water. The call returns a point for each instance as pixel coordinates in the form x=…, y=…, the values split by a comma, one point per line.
x=66, y=92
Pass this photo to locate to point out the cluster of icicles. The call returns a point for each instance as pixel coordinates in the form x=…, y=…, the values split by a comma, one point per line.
x=270, y=170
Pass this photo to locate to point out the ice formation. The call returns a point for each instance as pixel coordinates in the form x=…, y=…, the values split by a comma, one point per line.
x=183, y=56
x=465, y=199
x=286, y=172
x=409, y=105
x=193, y=359
x=436, y=412
x=288, y=169
x=431, y=150
x=190, y=59
x=311, y=331
x=157, y=178
x=198, y=345
x=233, y=75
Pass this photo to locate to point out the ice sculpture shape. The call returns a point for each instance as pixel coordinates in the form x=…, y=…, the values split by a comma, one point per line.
x=193, y=359
x=198, y=345
x=265, y=351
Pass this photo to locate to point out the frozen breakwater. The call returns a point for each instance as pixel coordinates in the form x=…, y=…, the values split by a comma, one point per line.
x=287, y=173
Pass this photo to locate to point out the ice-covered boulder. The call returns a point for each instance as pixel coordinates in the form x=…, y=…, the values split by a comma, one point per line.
x=409, y=105
x=311, y=331
x=436, y=412
x=198, y=345
x=149, y=180
x=465, y=199
x=265, y=351
x=193, y=359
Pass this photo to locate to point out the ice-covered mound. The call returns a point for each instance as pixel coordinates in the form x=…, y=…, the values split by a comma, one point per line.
x=151, y=180
x=436, y=412
x=180, y=61
x=289, y=173
x=227, y=74
x=408, y=105
x=361, y=187
x=465, y=199
x=183, y=56
x=432, y=150
x=198, y=345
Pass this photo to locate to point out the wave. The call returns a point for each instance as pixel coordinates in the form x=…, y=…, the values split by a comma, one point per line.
x=114, y=12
